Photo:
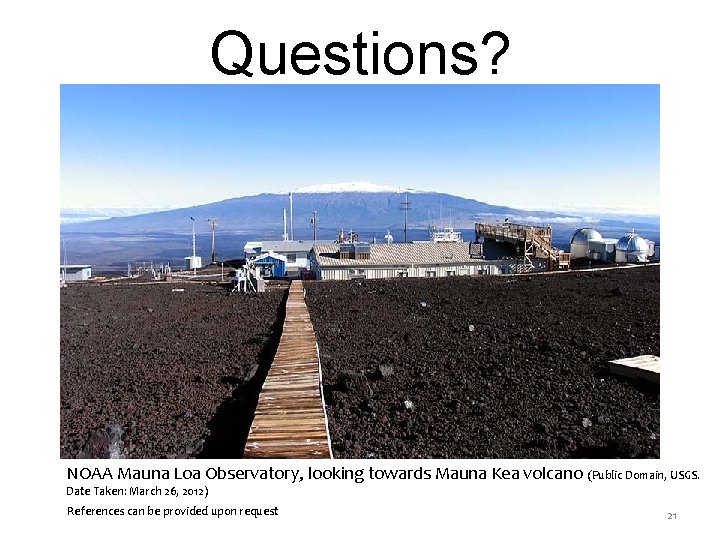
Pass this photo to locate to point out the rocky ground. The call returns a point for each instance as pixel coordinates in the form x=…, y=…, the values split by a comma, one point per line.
x=492, y=367
x=498, y=367
x=151, y=372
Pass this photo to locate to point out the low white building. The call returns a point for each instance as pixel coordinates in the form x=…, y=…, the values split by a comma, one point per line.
x=372, y=261
x=295, y=252
x=633, y=248
x=193, y=263
x=75, y=272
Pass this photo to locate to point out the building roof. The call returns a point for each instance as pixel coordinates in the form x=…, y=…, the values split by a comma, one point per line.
x=265, y=256
x=289, y=245
x=632, y=242
x=399, y=254
x=584, y=235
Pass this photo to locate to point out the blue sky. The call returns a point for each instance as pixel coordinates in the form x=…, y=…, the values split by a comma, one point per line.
x=533, y=146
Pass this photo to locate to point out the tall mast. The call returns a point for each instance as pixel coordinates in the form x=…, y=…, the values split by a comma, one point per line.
x=292, y=237
x=192, y=261
x=213, y=223
x=405, y=206
x=193, y=235
x=285, y=235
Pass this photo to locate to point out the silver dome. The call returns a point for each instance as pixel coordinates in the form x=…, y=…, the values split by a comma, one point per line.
x=632, y=242
x=583, y=236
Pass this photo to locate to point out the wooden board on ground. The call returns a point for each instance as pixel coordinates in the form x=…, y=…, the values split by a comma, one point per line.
x=645, y=367
x=290, y=417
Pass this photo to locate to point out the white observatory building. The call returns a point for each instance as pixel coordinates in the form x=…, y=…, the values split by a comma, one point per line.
x=633, y=248
x=587, y=243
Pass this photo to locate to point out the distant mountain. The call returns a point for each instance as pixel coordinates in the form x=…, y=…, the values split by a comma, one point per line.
x=368, y=209
x=81, y=215
x=358, y=206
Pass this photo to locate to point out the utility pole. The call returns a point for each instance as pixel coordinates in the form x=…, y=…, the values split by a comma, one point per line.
x=213, y=223
x=313, y=221
x=405, y=207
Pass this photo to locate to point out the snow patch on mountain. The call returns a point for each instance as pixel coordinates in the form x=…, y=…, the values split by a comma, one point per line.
x=345, y=187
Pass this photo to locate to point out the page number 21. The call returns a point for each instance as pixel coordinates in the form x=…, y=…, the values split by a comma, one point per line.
x=672, y=515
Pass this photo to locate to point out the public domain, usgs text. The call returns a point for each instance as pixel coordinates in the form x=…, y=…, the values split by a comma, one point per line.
x=615, y=474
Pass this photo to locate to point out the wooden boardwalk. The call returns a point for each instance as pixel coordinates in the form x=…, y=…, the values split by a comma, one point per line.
x=640, y=367
x=290, y=417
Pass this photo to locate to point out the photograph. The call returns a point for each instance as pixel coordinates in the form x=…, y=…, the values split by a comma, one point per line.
x=359, y=271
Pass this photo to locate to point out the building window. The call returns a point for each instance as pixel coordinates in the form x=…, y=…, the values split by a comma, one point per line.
x=403, y=273
x=452, y=272
x=291, y=257
x=430, y=273
x=356, y=273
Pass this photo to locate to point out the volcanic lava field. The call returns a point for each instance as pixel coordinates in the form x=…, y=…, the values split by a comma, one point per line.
x=459, y=367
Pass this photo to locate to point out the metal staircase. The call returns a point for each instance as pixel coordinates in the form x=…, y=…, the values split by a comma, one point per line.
x=535, y=242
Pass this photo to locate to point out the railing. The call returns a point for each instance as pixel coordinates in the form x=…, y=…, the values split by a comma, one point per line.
x=540, y=238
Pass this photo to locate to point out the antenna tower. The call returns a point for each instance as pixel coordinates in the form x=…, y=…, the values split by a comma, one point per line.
x=213, y=224
x=285, y=234
x=405, y=207
x=193, y=240
x=292, y=237
x=313, y=222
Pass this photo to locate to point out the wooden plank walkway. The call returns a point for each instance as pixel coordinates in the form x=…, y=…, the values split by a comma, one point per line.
x=290, y=417
x=640, y=367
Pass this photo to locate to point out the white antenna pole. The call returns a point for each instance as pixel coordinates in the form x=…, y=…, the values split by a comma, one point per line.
x=193, y=236
x=292, y=236
x=213, y=224
x=285, y=236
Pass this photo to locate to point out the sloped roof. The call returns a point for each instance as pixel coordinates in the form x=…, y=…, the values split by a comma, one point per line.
x=398, y=254
x=264, y=257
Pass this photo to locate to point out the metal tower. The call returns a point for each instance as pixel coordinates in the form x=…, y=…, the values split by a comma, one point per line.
x=213, y=224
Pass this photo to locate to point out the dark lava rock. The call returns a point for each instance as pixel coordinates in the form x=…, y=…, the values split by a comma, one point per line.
x=167, y=380
x=518, y=386
x=355, y=384
x=251, y=372
x=384, y=371
x=103, y=443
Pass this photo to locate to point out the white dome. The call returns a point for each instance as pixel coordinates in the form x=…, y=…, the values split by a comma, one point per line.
x=631, y=242
x=582, y=236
